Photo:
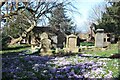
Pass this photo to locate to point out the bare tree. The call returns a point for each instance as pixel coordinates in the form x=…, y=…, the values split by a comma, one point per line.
x=37, y=10
x=96, y=13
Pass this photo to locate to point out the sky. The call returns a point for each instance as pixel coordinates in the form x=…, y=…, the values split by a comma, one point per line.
x=84, y=7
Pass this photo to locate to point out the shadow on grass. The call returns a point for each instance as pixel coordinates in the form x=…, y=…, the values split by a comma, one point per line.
x=15, y=48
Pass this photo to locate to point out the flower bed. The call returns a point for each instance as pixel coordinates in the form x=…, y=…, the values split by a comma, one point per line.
x=35, y=67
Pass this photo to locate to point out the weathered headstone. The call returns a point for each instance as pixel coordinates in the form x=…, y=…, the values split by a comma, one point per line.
x=99, y=38
x=71, y=43
x=44, y=35
x=45, y=43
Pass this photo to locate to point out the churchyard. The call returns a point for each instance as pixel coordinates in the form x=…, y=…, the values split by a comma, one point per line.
x=71, y=62
x=41, y=40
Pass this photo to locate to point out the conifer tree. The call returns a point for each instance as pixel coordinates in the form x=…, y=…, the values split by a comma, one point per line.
x=59, y=17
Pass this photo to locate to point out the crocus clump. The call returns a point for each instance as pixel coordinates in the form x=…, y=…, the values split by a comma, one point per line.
x=35, y=67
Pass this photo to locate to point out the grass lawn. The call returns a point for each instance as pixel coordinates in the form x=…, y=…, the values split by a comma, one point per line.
x=105, y=53
x=15, y=48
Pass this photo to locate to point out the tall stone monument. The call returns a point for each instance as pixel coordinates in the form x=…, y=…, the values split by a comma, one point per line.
x=99, y=38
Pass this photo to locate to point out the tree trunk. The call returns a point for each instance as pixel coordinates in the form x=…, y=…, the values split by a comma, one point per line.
x=13, y=41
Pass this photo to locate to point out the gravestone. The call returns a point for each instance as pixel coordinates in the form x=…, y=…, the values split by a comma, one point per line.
x=99, y=38
x=71, y=43
x=45, y=43
x=44, y=35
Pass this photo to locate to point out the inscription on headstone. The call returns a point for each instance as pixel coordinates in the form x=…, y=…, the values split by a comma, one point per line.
x=72, y=42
